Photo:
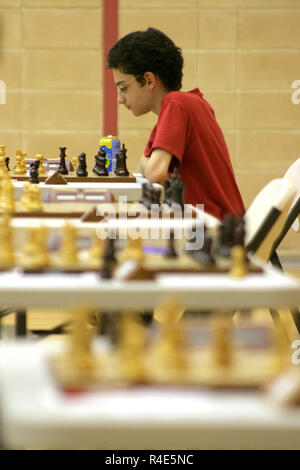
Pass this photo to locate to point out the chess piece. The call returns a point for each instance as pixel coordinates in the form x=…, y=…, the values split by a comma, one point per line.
x=133, y=250
x=81, y=169
x=171, y=251
x=221, y=344
x=81, y=353
x=6, y=244
x=177, y=190
x=121, y=169
x=143, y=195
x=2, y=150
x=132, y=341
x=7, y=200
x=3, y=167
x=7, y=163
x=19, y=168
x=68, y=249
x=62, y=169
x=168, y=310
x=239, y=266
x=155, y=195
x=74, y=161
x=32, y=198
x=34, y=252
x=169, y=349
x=239, y=232
x=108, y=259
x=23, y=155
x=203, y=255
x=100, y=166
x=167, y=199
x=146, y=198
x=41, y=168
x=24, y=199
x=226, y=236
x=79, y=367
x=34, y=172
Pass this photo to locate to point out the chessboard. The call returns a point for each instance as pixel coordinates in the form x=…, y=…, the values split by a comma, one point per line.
x=115, y=258
x=63, y=170
x=73, y=178
x=89, y=205
x=164, y=354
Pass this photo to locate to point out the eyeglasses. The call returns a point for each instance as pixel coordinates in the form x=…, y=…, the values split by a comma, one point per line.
x=123, y=88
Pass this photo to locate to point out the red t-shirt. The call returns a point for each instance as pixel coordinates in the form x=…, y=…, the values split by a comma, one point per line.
x=187, y=128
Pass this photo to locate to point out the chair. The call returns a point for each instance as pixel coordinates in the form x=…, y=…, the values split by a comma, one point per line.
x=267, y=216
x=292, y=175
x=267, y=221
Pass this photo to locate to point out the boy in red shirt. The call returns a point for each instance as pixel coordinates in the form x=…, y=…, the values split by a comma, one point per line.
x=147, y=68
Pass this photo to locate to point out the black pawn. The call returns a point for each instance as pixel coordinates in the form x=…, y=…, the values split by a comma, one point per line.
x=81, y=169
x=177, y=189
x=167, y=192
x=62, y=169
x=239, y=233
x=34, y=172
x=204, y=255
x=7, y=163
x=100, y=166
x=155, y=198
x=121, y=169
x=171, y=252
x=226, y=236
x=108, y=259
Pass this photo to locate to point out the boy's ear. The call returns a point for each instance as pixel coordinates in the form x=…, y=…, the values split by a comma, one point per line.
x=150, y=78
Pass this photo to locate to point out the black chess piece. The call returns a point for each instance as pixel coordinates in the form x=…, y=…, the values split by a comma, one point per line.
x=145, y=198
x=155, y=195
x=108, y=259
x=239, y=232
x=7, y=163
x=204, y=255
x=121, y=169
x=167, y=192
x=62, y=169
x=81, y=169
x=171, y=251
x=177, y=189
x=34, y=172
x=100, y=166
x=226, y=236
x=142, y=198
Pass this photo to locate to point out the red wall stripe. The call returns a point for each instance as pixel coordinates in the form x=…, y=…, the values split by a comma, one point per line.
x=110, y=10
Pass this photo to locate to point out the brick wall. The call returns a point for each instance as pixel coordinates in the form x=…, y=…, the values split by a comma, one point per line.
x=243, y=54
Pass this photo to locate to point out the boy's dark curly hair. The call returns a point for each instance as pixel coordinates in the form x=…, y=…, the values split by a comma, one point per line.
x=148, y=51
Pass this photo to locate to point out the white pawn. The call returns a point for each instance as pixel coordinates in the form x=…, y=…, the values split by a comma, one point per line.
x=68, y=250
x=6, y=244
x=7, y=200
x=40, y=158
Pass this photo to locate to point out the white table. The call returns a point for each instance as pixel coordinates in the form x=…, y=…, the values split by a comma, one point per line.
x=270, y=289
x=131, y=190
x=35, y=414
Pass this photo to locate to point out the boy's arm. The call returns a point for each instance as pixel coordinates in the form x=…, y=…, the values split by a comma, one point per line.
x=155, y=168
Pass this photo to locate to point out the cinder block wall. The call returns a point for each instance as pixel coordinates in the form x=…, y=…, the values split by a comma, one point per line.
x=243, y=54
x=51, y=62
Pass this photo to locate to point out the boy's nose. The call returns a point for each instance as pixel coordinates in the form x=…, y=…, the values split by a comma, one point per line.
x=121, y=99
